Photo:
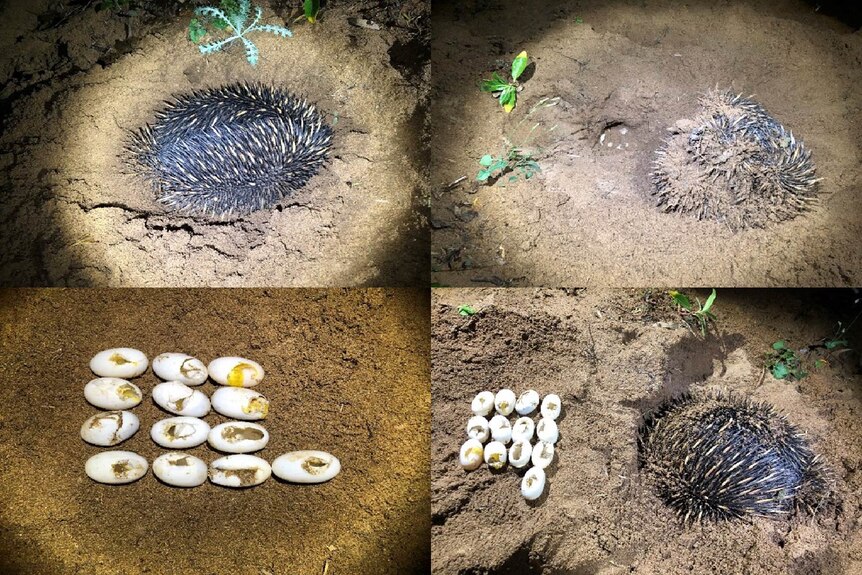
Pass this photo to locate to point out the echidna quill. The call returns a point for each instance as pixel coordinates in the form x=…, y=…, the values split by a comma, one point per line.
x=735, y=164
x=225, y=152
x=718, y=457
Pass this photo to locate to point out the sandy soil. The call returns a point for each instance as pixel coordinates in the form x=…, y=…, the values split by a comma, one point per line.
x=330, y=357
x=637, y=67
x=611, y=356
x=76, y=80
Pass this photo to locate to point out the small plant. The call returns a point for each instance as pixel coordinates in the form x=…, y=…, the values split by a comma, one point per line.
x=700, y=316
x=310, y=10
x=505, y=91
x=466, y=310
x=785, y=363
x=232, y=16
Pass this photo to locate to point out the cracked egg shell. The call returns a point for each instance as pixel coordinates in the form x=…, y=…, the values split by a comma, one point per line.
x=471, y=454
x=543, y=454
x=306, y=466
x=180, y=367
x=527, y=402
x=501, y=429
x=115, y=467
x=483, y=403
x=547, y=431
x=240, y=403
x=238, y=437
x=522, y=429
x=180, y=432
x=533, y=483
x=181, y=399
x=519, y=453
x=235, y=371
x=110, y=428
x=112, y=393
x=504, y=401
x=122, y=362
x=239, y=471
x=180, y=469
x=495, y=455
x=477, y=428
x=551, y=406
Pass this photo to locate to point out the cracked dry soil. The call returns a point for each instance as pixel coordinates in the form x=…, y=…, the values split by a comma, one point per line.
x=610, y=357
x=329, y=357
x=637, y=67
x=77, y=80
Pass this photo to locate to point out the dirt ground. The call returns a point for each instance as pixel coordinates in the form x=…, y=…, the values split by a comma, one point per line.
x=329, y=356
x=629, y=70
x=76, y=80
x=611, y=356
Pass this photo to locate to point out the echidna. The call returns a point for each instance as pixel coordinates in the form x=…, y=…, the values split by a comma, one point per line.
x=735, y=164
x=720, y=456
x=225, y=152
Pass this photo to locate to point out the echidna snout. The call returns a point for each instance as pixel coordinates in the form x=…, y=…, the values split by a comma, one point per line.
x=228, y=151
x=717, y=456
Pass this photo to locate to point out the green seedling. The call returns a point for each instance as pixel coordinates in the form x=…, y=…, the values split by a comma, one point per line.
x=310, y=10
x=701, y=315
x=784, y=362
x=507, y=92
x=233, y=17
x=466, y=310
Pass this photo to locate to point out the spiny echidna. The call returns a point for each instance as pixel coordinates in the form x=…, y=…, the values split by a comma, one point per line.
x=225, y=152
x=720, y=456
x=735, y=164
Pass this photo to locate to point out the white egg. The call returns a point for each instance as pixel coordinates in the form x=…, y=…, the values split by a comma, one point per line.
x=306, y=466
x=504, y=401
x=495, y=455
x=180, y=367
x=533, y=483
x=110, y=428
x=240, y=403
x=551, y=406
x=122, y=362
x=477, y=428
x=181, y=399
x=519, y=453
x=543, y=454
x=235, y=371
x=238, y=437
x=239, y=471
x=501, y=429
x=547, y=431
x=523, y=429
x=116, y=467
x=180, y=469
x=471, y=454
x=527, y=402
x=483, y=403
x=112, y=393
x=180, y=432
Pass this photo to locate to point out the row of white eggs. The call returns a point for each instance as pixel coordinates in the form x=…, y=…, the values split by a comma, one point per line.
x=504, y=402
x=125, y=362
x=184, y=470
x=111, y=428
x=115, y=394
x=499, y=429
x=519, y=455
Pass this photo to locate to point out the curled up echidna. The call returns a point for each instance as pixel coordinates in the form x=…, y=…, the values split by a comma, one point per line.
x=735, y=164
x=718, y=456
x=225, y=152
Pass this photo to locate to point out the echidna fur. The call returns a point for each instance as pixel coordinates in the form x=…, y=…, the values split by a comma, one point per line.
x=735, y=164
x=228, y=151
x=721, y=456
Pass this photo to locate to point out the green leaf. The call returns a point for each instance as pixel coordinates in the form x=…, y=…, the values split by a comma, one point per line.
x=779, y=345
x=681, y=299
x=507, y=98
x=514, y=178
x=466, y=310
x=311, y=8
x=486, y=160
x=819, y=363
x=709, y=302
x=495, y=84
x=519, y=64
x=579, y=20
x=483, y=175
x=196, y=31
x=833, y=343
x=780, y=371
